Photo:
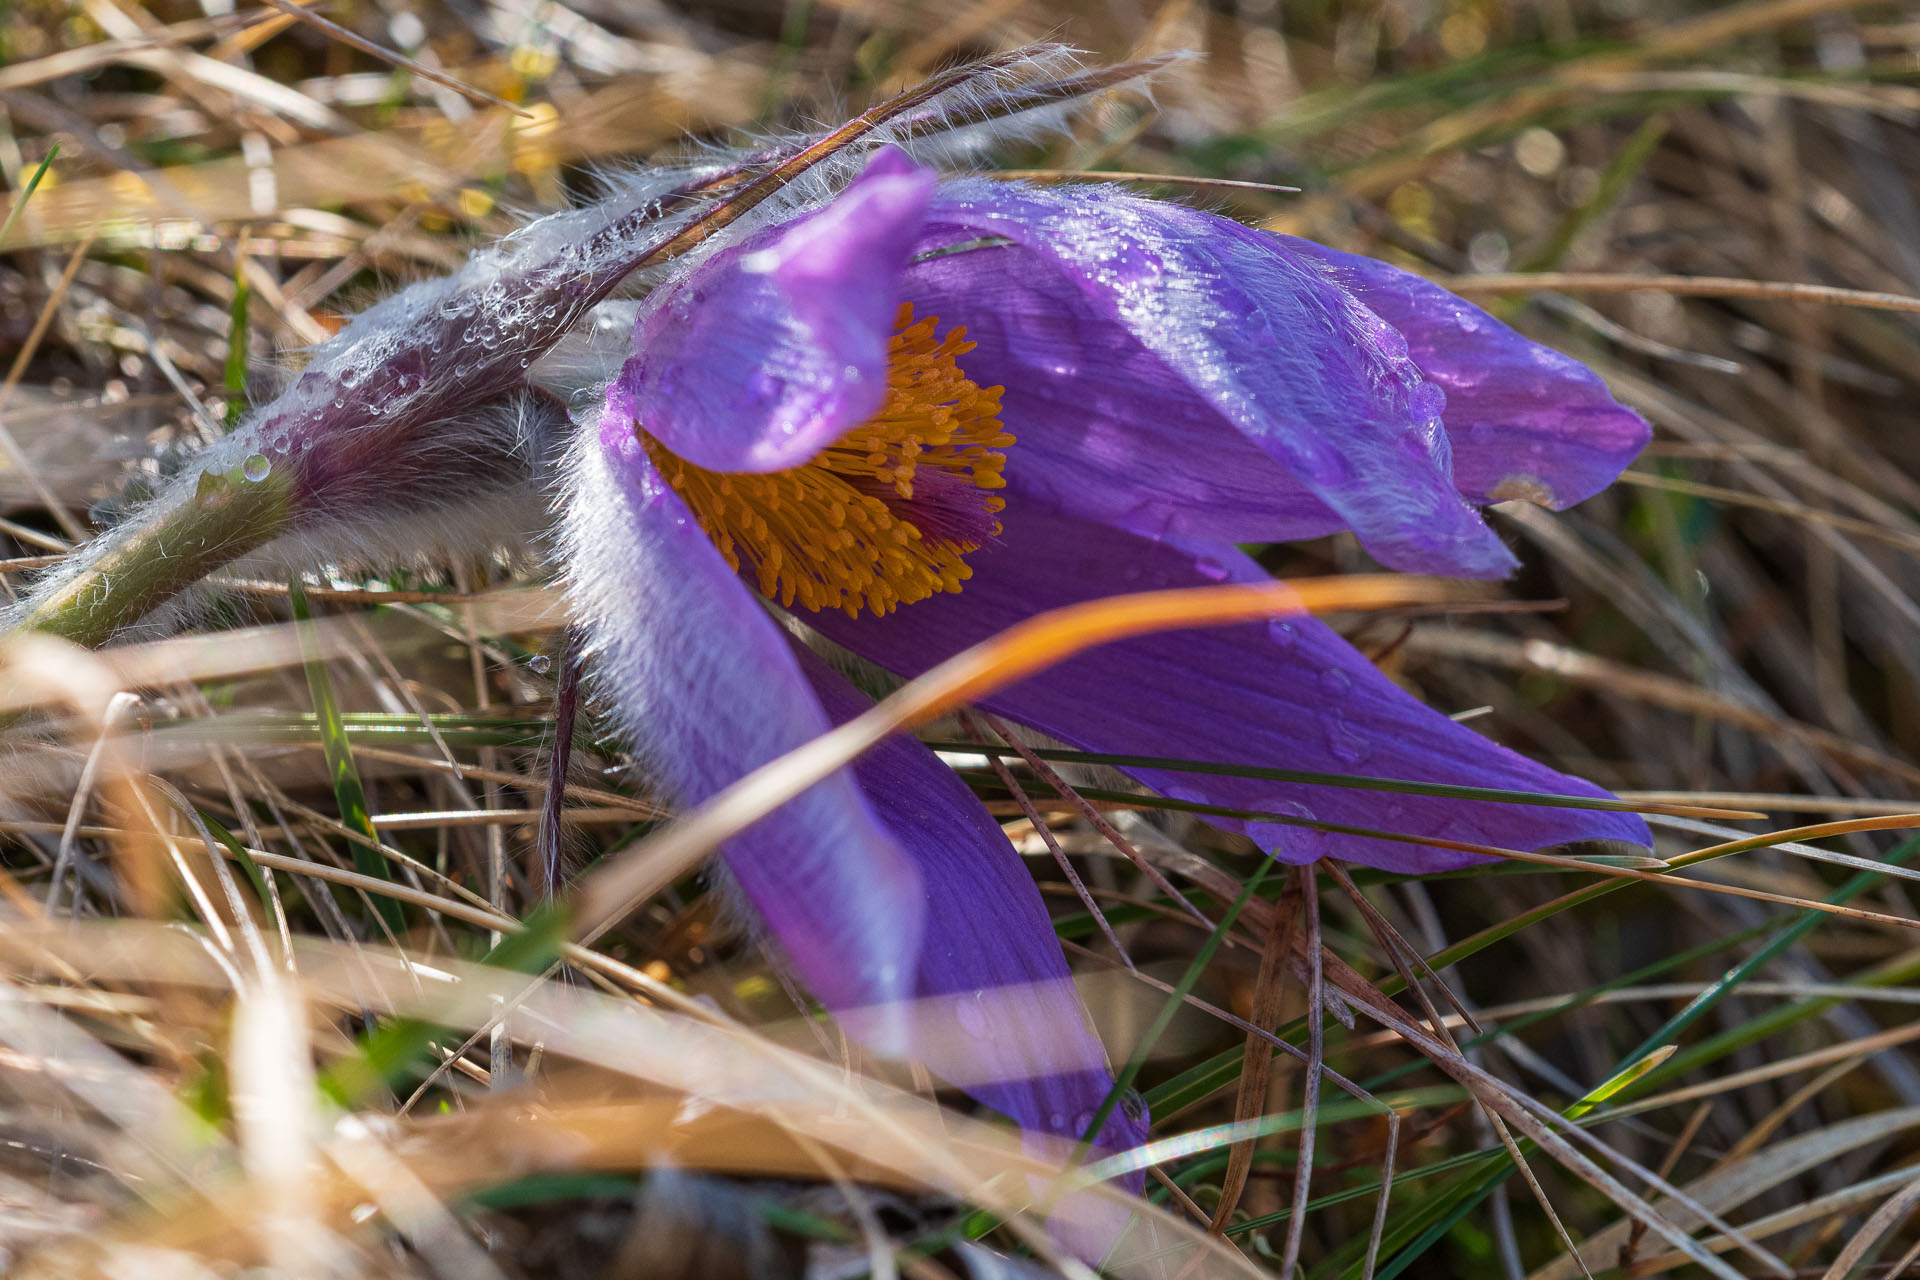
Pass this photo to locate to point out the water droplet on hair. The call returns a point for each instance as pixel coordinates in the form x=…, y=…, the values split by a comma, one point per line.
x=540, y=664
x=256, y=467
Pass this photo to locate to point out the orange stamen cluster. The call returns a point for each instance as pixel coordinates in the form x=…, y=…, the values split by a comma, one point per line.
x=885, y=515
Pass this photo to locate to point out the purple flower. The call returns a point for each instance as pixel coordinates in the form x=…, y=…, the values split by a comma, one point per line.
x=926, y=409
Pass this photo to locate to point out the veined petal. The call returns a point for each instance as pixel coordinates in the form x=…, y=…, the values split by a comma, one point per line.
x=1288, y=694
x=1525, y=420
x=1106, y=430
x=771, y=349
x=996, y=1011
x=1291, y=360
x=705, y=682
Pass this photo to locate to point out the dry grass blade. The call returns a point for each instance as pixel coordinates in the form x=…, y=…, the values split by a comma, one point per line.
x=1685, y=286
x=1119, y=175
x=1257, y=1065
x=1726, y=1189
x=1312, y=947
x=1711, y=206
x=337, y=32
x=885, y=1134
x=1545, y=1130
x=1045, y=832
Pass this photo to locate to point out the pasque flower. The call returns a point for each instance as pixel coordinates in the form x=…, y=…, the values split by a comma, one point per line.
x=901, y=416
x=926, y=409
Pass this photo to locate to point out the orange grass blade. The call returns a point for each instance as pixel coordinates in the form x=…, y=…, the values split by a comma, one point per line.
x=1014, y=654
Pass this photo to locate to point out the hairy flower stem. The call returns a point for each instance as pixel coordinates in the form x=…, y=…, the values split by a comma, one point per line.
x=227, y=516
x=402, y=377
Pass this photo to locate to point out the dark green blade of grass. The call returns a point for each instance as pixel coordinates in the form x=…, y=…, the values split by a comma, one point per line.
x=1768, y=952
x=394, y=730
x=1197, y=1082
x=1314, y=824
x=1474, y=1189
x=255, y=876
x=399, y=1050
x=1175, y=1000
x=978, y=1224
x=1614, y=181
x=347, y=791
x=1353, y=781
x=234, y=375
x=1774, y=1021
x=1171, y=1006
x=26, y=192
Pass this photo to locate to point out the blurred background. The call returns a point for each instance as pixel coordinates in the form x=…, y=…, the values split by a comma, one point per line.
x=1737, y=622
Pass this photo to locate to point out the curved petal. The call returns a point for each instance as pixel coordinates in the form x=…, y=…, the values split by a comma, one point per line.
x=1288, y=694
x=769, y=350
x=704, y=680
x=1292, y=361
x=1105, y=429
x=1525, y=420
x=996, y=1011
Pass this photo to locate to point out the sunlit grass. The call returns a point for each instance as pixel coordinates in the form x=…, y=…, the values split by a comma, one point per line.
x=286, y=987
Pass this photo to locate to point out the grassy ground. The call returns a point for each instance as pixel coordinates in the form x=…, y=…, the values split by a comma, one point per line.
x=238, y=1044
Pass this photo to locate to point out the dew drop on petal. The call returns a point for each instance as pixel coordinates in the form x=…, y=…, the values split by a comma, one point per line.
x=970, y=1012
x=1335, y=682
x=256, y=467
x=1347, y=745
x=1303, y=843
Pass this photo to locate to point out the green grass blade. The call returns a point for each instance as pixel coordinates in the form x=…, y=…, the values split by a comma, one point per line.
x=395, y=1051
x=1353, y=781
x=26, y=192
x=347, y=791
x=234, y=375
x=1499, y=1163
x=1163, y=1019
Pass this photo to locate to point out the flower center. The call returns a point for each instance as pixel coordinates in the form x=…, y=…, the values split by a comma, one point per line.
x=886, y=514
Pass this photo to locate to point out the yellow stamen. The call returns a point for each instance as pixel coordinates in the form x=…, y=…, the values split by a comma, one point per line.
x=886, y=514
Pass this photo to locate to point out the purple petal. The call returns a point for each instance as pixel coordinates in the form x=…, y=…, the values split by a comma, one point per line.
x=1525, y=420
x=1105, y=429
x=769, y=350
x=1288, y=694
x=701, y=676
x=1295, y=363
x=997, y=1013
